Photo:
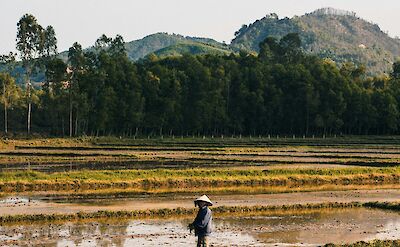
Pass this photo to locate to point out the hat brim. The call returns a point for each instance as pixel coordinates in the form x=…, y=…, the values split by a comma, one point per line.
x=208, y=203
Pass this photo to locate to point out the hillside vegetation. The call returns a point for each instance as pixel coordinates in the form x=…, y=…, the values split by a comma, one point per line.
x=329, y=33
x=281, y=91
x=164, y=44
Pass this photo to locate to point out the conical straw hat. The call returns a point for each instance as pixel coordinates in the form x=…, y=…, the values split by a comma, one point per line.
x=204, y=198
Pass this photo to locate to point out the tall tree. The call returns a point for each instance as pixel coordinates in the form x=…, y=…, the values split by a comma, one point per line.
x=8, y=61
x=76, y=60
x=55, y=98
x=29, y=45
x=102, y=43
x=9, y=95
x=49, y=42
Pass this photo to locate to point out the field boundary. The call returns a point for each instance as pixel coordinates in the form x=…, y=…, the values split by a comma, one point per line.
x=176, y=212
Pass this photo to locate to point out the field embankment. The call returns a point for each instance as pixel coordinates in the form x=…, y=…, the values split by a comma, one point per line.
x=192, y=178
x=219, y=211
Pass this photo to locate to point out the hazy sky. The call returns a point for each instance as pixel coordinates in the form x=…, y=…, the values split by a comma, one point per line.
x=85, y=20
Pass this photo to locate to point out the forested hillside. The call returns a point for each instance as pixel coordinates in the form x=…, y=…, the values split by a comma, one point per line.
x=165, y=44
x=328, y=33
x=280, y=90
x=160, y=44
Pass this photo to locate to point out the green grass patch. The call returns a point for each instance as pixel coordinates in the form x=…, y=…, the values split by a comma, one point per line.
x=190, y=178
x=224, y=173
x=176, y=212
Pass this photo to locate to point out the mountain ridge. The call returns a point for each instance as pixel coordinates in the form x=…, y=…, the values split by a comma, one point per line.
x=329, y=33
x=138, y=49
x=339, y=35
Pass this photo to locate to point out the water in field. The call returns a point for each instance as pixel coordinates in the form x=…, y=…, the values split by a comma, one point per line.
x=58, y=159
x=295, y=229
x=72, y=203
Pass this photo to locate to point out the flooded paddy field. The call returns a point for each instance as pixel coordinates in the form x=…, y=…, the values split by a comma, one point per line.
x=46, y=177
x=63, y=155
x=305, y=228
x=19, y=204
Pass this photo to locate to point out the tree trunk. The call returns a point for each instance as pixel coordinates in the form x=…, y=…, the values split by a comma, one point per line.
x=5, y=118
x=5, y=110
x=307, y=121
x=76, y=123
x=70, y=117
x=62, y=126
x=28, y=88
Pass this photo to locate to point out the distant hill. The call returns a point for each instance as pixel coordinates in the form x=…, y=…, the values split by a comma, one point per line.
x=190, y=48
x=160, y=44
x=330, y=33
x=163, y=44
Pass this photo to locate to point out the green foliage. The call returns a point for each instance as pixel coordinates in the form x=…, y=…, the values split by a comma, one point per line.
x=281, y=91
x=164, y=44
x=328, y=33
x=190, y=48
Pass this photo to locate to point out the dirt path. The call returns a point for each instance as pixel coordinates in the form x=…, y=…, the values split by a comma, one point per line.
x=21, y=205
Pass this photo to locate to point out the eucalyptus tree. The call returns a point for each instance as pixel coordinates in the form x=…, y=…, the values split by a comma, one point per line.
x=9, y=95
x=10, y=90
x=102, y=43
x=35, y=45
x=8, y=62
x=29, y=34
x=76, y=59
x=55, y=98
x=48, y=43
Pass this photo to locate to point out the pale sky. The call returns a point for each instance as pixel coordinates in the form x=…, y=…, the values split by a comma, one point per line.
x=85, y=20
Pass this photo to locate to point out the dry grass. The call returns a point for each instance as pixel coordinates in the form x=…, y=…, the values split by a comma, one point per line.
x=162, y=213
x=177, y=212
x=192, y=178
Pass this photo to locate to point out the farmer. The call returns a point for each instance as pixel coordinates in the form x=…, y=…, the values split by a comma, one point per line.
x=203, y=221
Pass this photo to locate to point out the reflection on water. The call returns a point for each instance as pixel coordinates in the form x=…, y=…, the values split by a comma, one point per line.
x=318, y=228
x=51, y=166
x=306, y=229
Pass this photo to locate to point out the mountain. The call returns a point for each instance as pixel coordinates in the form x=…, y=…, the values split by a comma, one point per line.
x=330, y=33
x=190, y=48
x=160, y=44
x=164, y=44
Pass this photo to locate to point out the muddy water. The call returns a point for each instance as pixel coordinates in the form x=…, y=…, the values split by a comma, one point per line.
x=19, y=204
x=175, y=164
x=295, y=229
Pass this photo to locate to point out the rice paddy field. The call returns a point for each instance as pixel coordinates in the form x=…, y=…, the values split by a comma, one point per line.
x=268, y=191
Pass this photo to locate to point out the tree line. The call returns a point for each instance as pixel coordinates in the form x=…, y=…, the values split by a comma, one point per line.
x=281, y=90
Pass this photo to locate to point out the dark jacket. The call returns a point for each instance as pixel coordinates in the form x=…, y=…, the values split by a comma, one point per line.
x=203, y=222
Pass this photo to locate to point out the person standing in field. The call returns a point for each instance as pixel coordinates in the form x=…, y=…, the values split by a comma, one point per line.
x=202, y=224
